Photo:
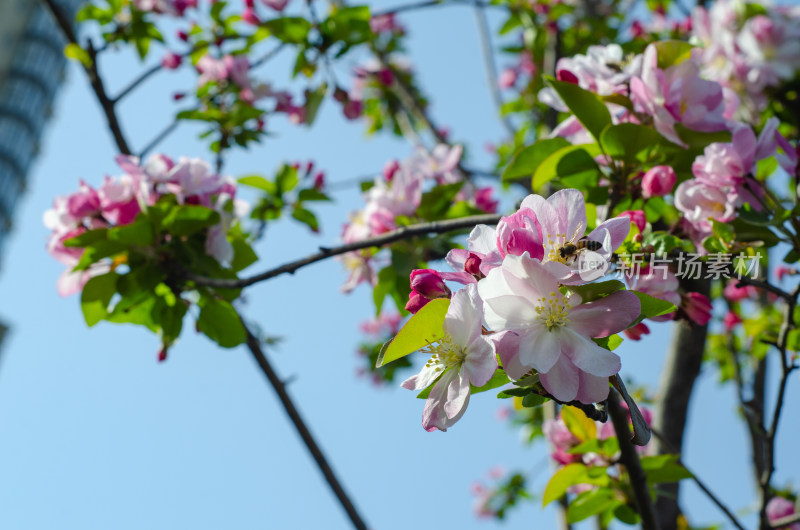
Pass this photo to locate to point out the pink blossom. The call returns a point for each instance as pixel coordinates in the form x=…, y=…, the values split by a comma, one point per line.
x=701, y=202
x=171, y=60
x=637, y=217
x=661, y=283
x=783, y=270
x=462, y=358
x=697, y=307
x=554, y=331
x=482, y=253
x=677, y=95
x=484, y=200
x=390, y=169
x=384, y=24
x=385, y=324
x=211, y=70
x=731, y=320
x=561, y=219
x=520, y=233
x=426, y=285
x=562, y=439
x=249, y=15
x=780, y=507
x=734, y=293
x=636, y=332
x=658, y=181
x=508, y=78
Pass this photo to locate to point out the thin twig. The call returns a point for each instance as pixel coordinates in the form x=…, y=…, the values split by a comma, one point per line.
x=701, y=484
x=436, y=227
x=169, y=129
x=491, y=69
x=267, y=56
x=93, y=74
x=744, y=280
x=288, y=405
x=141, y=78
x=630, y=459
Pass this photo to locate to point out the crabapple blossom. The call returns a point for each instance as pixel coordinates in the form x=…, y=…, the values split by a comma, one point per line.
x=426, y=285
x=780, y=507
x=462, y=358
x=658, y=283
x=697, y=307
x=658, y=181
x=555, y=331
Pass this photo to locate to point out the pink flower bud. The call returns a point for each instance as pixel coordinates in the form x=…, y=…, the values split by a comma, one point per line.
x=249, y=15
x=389, y=169
x=484, y=201
x=353, y=109
x=731, y=320
x=385, y=76
x=734, y=293
x=780, y=507
x=182, y=35
x=567, y=76
x=171, y=60
x=637, y=217
x=697, y=307
x=508, y=78
x=637, y=29
x=636, y=332
x=177, y=96
x=429, y=283
x=783, y=270
x=162, y=355
x=658, y=181
x=472, y=265
x=319, y=181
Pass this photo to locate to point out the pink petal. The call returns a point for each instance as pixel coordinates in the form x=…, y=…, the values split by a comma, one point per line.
x=433, y=415
x=571, y=210
x=589, y=357
x=617, y=228
x=540, y=349
x=457, y=395
x=423, y=379
x=481, y=362
x=592, y=389
x=506, y=345
x=562, y=380
x=605, y=316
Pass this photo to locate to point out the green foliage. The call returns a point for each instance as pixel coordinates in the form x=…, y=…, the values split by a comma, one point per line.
x=585, y=105
x=528, y=159
x=423, y=328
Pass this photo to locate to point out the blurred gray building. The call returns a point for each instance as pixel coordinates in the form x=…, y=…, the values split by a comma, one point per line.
x=31, y=69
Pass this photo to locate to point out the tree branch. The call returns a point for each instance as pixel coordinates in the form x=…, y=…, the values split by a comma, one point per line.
x=786, y=369
x=681, y=368
x=630, y=459
x=436, y=227
x=491, y=69
x=431, y=3
x=703, y=487
x=93, y=74
x=255, y=348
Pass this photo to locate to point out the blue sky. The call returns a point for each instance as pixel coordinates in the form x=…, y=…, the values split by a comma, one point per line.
x=94, y=433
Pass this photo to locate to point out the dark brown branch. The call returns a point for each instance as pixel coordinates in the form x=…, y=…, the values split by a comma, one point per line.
x=786, y=369
x=630, y=459
x=700, y=484
x=137, y=81
x=487, y=51
x=681, y=368
x=93, y=74
x=744, y=280
x=436, y=227
x=255, y=348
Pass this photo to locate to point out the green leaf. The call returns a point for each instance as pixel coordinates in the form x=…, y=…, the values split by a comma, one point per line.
x=498, y=379
x=724, y=231
x=188, y=219
x=534, y=400
x=312, y=194
x=75, y=52
x=286, y=180
x=243, y=255
x=578, y=424
x=96, y=296
x=423, y=328
x=672, y=52
x=653, y=307
x=139, y=233
x=306, y=217
x=436, y=202
x=259, y=182
x=610, y=343
x=570, y=475
x=590, y=503
x=793, y=340
x=664, y=468
x=585, y=105
x=590, y=292
x=97, y=251
x=314, y=99
x=289, y=29
x=576, y=161
x=220, y=322
x=87, y=238
x=527, y=159
x=629, y=141
x=349, y=25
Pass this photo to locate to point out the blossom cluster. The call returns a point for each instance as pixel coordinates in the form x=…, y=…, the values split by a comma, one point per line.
x=674, y=98
x=521, y=305
x=119, y=200
x=397, y=194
